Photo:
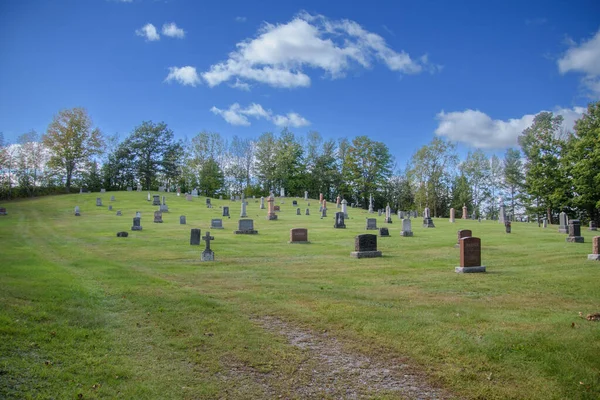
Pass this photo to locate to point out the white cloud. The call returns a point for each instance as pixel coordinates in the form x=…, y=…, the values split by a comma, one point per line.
x=185, y=75
x=240, y=85
x=172, y=30
x=479, y=130
x=279, y=53
x=149, y=32
x=240, y=19
x=236, y=115
x=584, y=58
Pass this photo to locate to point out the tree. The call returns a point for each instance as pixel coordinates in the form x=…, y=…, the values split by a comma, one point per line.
x=513, y=177
x=153, y=150
x=72, y=142
x=495, y=184
x=545, y=175
x=289, y=167
x=368, y=165
x=462, y=194
x=265, y=160
x=31, y=161
x=584, y=158
x=211, y=178
x=476, y=168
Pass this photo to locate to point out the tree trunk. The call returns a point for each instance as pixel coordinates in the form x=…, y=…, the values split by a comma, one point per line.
x=549, y=215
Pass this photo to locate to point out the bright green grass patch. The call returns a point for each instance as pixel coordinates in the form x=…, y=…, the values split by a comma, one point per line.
x=84, y=312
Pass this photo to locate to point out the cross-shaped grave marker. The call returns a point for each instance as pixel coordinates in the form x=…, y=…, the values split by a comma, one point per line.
x=208, y=254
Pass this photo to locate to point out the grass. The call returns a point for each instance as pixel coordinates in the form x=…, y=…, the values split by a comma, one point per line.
x=84, y=314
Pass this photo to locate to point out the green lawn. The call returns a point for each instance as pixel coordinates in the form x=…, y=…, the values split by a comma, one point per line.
x=84, y=314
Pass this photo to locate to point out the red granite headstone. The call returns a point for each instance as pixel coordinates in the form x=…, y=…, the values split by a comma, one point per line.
x=470, y=252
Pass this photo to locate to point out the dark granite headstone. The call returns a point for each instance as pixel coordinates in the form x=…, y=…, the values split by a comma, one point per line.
x=98, y=202
x=575, y=232
x=216, y=223
x=593, y=226
x=307, y=212
x=136, y=224
x=384, y=232
x=365, y=246
x=299, y=235
x=122, y=234
x=182, y=220
x=339, y=221
x=156, y=200
x=245, y=227
x=158, y=217
x=371, y=224
x=225, y=211
x=507, y=226
x=276, y=208
x=194, y=237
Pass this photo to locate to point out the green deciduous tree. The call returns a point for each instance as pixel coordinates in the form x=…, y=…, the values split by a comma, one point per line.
x=476, y=168
x=513, y=177
x=72, y=142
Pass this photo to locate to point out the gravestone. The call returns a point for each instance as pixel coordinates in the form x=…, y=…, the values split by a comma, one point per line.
x=129, y=189
x=507, y=226
x=379, y=213
x=112, y=198
x=271, y=216
x=406, y=228
x=243, y=210
x=339, y=221
x=207, y=254
x=470, y=256
x=562, y=223
x=164, y=208
x=139, y=188
x=156, y=200
x=295, y=203
x=593, y=226
x=158, y=217
x=321, y=198
x=545, y=224
x=307, y=212
x=428, y=222
x=195, y=192
x=149, y=196
x=384, y=232
x=305, y=195
x=77, y=212
x=575, y=232
x=189, y=197
x=216, y=223
x=161, y=188
x=80, y=190
x=299, y=235
x=388, y=214
x=365, y=246
x=262, y=203
x=345, y=208
x=122, y=234
x=137, y=224
x=208, y=201
x=225, y=211
x=245, y=227
x=98, y=202
x=194, y=237
x=371, y=205
x=276, y=208
x=595, y=256
x=371, y=224
x=138, y=214
x=452, y=212
x=102, y=190
x=182, y=220
x=462, y=233
x=338, y=202
x=324, y=213
x=473, y=216
x=110, y=208
x=298, y=211
x=464, y=212
x=220, y=197
x=119, y=213
x=282, y=193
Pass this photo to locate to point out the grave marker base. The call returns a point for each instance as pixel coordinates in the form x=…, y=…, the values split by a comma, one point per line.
x=594, y=257
x=466, y=270
x=575, y=239
x=366, y=254
x=405, y=234
x=207, y=255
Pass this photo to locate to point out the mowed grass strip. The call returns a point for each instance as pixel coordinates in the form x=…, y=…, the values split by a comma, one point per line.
x=86, y=312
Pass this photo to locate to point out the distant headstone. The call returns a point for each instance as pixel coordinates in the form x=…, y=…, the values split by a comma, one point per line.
x=129, y=189
x=502, y=215
x=138, y=214
x=282, y=193
x=371, y=205
x=575, y=232
x=98, y=202
x=195, y=192
x=305, y=195
x=148, y=196
x=470, y=256
x=452, y=212
x=216, y=223
x=427, y=221
x=119, y=213
x=189, y=197
x=182, y=220
x=136, y=224
x=243, y=210
x=225, y=211
x=271, y=216
x=139, y=188
x=595, y=256
x=112, y=198
x=164, y=208
x=276, y=208
x=80, y=190
x=245, y=227
x=339, y=221
x=379, y=213
x=110, y=207
x=462, y=233
x=545, y=224
x=426, y=213
x=307, y=212
x=194, y=237
x=371, y=224
x=262, y=203
x=338, y=202
x=562, y=223
x=294, y=203
x=345, y=208
x=299, y=235
x=207, y=254
x=323, y=212
x=220, y=197
x=406, y=228
x=464, y=212
x=298, y=212
x=102, y=190
x=158, y=217
x=365, y=246
x=156, y=200
x=384, y=232
x=507, y=226
x=122, y=234
x=208, y=201
x=593, y=226
x=388, y=214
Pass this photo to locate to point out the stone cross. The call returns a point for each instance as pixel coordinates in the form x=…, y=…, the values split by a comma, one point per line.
x=207, y=238
x=207, y=254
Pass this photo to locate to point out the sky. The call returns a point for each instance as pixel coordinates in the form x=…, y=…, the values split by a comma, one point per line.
x=400, y=72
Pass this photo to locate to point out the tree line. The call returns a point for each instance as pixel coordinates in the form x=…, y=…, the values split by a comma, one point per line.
x=555, y=168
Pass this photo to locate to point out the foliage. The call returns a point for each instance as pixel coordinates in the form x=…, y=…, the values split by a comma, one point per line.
x=514, y=178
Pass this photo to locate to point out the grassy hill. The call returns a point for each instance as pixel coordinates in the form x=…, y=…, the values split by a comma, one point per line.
x=85, y=314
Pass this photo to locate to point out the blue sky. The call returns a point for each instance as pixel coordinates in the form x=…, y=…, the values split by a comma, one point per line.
x=400, y=72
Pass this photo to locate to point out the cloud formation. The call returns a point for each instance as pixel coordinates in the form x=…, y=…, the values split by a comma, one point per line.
x=236, y=115
x=584, y=58
x=173, y=31
x=280, y=53
x=149, y=32
x=185, y=75
x=479, y=130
